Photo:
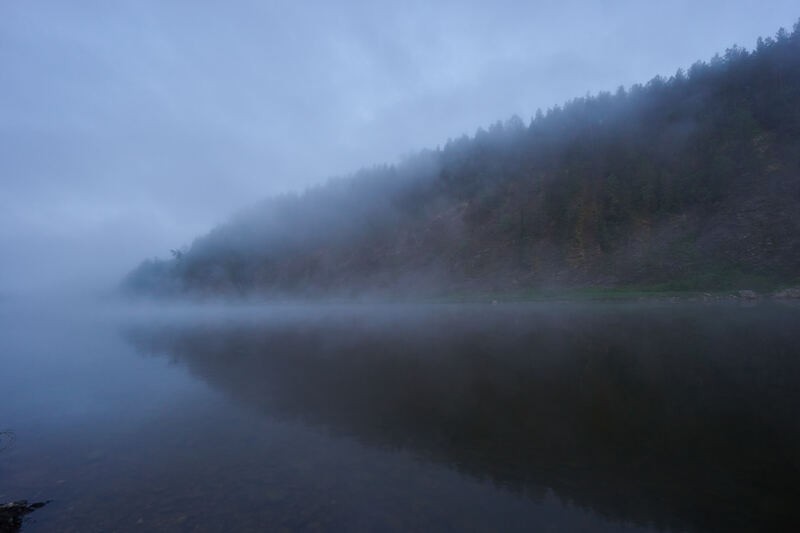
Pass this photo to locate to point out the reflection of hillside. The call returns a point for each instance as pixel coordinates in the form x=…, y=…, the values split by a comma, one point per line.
x=680, y=417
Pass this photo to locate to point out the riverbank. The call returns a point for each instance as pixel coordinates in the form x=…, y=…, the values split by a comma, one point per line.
x=621, y=294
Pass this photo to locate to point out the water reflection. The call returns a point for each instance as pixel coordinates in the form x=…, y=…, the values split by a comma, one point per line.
x=680, y=416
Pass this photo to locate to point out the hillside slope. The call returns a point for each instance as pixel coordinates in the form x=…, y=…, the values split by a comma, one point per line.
x=689, y=182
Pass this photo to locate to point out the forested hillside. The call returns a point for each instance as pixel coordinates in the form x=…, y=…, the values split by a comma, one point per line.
x=691, y=181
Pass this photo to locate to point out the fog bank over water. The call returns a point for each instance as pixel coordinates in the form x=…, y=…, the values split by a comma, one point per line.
x=127, y=130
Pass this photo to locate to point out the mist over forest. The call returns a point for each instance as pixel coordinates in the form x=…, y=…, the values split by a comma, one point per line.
x=400, y=266
x=690, y=181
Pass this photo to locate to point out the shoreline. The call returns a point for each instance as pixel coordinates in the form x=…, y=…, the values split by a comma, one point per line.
x=566, y=295
x=624, y=294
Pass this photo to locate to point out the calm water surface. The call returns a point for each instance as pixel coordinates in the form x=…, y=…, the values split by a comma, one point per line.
x=536, y=417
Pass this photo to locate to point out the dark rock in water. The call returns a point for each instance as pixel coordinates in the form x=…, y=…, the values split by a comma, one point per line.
x=11, y=514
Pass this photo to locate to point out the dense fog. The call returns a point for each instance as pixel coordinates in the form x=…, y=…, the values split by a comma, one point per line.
x=129, y=130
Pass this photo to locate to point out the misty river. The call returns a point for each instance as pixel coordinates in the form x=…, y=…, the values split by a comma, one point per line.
x=439, y=417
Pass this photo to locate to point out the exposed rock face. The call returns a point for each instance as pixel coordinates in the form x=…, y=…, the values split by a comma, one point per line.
x=792, y=293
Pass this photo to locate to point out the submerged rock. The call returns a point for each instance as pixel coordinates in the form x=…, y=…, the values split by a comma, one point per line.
x=11, y=514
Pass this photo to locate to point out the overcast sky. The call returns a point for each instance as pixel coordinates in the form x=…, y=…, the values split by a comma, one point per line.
x=130, y=127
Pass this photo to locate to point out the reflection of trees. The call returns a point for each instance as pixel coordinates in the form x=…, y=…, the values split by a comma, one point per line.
x=678, y=417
